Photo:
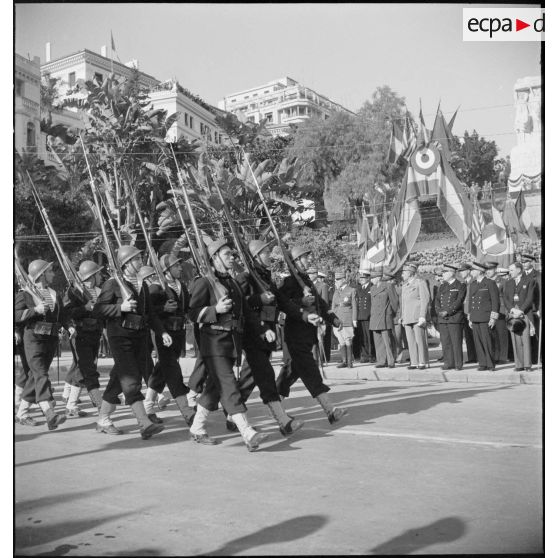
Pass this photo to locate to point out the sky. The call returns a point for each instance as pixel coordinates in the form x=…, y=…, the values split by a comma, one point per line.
x=344, y=51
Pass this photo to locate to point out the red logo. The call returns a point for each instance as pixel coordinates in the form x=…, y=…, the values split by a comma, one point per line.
x=519, y=25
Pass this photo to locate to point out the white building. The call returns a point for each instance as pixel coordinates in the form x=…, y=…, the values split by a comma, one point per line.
x=280, y=102
x=27, y=113
x=196, y=118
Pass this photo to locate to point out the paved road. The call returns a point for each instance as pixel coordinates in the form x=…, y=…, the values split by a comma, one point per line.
x=421, y=468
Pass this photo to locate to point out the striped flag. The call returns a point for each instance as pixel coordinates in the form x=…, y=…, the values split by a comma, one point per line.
x=497, y=244
x=441, y=134
x=524, y=217
x=375, y=233
x=396, y=144
x=364, y=237
x=511, y=219
x=477, y=226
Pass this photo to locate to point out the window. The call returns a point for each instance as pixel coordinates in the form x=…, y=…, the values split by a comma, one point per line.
x=19, y=89
x=191, y=122
x=72, y=79
x=30, y=134
x=201, y=128
x=186, y=119
x=251, y=119
x=269, y=117
x=216, y=136
x=98, y=78
x=246, y=96
x=266, y=91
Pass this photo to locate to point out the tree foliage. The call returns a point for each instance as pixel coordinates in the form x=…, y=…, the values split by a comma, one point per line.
x=474, y=159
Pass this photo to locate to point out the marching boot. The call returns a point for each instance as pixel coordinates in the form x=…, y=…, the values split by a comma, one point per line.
x=147, y=428
x=17, y=397
x=162, y=401
x=185, y=410
x=287, y=424
x=349, y=355
x=343, y=351
x=72, y=409
x=23, y=414
x=149, y=403
x=229, y=422
x=334, y=414
x=198, y=431
x=96, y=398
x=251, y=438
x=66, y=392
x=104, y=424
x=192, y=398
x=54, y=420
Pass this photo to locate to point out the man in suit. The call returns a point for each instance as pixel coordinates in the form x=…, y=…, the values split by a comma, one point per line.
x=367, y=346
x=518, y=302
x=383, y=306
x=529, y=272
x=483, y=305
x=344, y=306
x=450, y=296
x=464, y=275
x=327, y=295
x=415, y=302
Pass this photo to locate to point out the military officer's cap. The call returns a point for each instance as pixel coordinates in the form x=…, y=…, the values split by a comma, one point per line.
x=312, y=270
x=364, y=272
x=502, y=271
x=321, y=274
x=529, y=257
x=464, y=267
x=375, y=274
x=491, y=265
x=410, y=266
x=480, y=266
x=339, y=275
x=451, y=267
x=215, y=245
x=387, y=276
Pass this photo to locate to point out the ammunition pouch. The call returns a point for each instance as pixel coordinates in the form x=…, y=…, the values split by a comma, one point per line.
x=268, y=313
x=133, y=321
x=46, y=328
x=174, y=323
x=228, y=324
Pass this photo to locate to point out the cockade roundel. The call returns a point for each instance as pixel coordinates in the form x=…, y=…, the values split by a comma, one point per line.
x=425, y=160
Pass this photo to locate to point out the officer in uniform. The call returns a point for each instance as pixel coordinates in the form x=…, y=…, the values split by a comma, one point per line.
x=85, y=340
x=383, y=306
x=301, y=334
x=529, y=272
x=344, y=306
x=499, y=332
x=323, y=287
x=171, y=304
x=41, y=320
x=464, y=275
x=258, y=340
x=367, y=346
x=415, y=302
x=483, y=303
x=323, y=291
x=128, y=324
x=220, y=310
x=450, y=297
x=518, y=302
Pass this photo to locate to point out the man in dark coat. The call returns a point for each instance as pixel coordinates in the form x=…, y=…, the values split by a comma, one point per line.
x=483, y=305
x=449, y=300
x=464, y=275
x=518, y=302
x=383, y=306
x=365, y=339
x=529, y=272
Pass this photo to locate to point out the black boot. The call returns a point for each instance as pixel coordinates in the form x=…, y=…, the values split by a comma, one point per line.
x=349, y=355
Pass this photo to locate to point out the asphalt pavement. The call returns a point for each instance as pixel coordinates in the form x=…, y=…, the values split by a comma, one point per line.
x=417, y=467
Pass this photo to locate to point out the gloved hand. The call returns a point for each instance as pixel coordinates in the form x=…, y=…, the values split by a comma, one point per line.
x=72, y=332
x=267, y=297
x=223, y=305
x=354, y=323
x=167, y=339
x=128, y=306
x=313, y=319
x=421, y=322
x=170, y=306
x=269, y=336
x=491, y=323
x=442, y=314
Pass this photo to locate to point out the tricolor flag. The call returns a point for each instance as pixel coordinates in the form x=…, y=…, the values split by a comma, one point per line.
x=524, y=217
x=477, y=226
x=498, y=245
x=441, y=134
x=511, y=220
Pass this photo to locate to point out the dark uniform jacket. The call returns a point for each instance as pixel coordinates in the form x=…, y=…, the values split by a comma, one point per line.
x=323, y=290
x=524, y=291
x=81, y=318
x=26, y=316
x=535, y=276
x=220, y=334
x=108, y=307
x=295, y=326
x=383, y=306
x=363, y=301
x=450, y=299
x=483, y=299
x=173, y=322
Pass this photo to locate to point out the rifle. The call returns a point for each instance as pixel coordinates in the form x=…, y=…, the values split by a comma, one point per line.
x=150, y=250
x=195, y=255
x=25, y=284
x=205, y=269
x=115, y=270
x=71, y=275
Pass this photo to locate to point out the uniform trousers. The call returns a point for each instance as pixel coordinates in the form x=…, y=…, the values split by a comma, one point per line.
x=131, y=355
x=167, y=370
x=39, y=351
x=83, y=372
x=418, y=346
x=385, y=344
x=535, y=340
x=22, y=372
x=521, y=343
x=483, y=344
x=197, y=378
x=400, y=338
x=303, y=366
x=367, y=345
x=500, y=340
x=285, y=378
x=451, y=337
x=470, y=343
x=221, y=385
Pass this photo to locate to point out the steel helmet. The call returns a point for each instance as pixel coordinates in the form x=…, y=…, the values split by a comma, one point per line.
x=257, y=246
x=145, y=272
x=166, y=261
x=126, y=253
x=216, y=245
x=37, y=268
x=298, y=251
x=87, y=269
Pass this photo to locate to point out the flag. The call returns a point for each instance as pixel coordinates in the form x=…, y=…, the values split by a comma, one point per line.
x=375, y=233
x=364, y=240
x=511, y=219
x=409, y=138
x=396, y=145
x=424, y=134
x=424, y=184
x=441, y=134
x=450, y=125
x=112, y=45
x=524, y=217
x=498, y=245
x=497, y=217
